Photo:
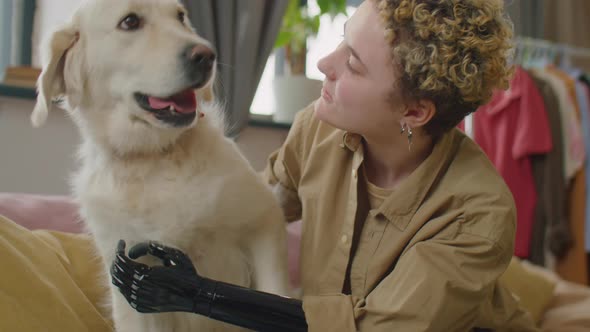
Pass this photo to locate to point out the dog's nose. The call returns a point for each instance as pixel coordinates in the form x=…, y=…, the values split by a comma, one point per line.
x=201, y=56
x=198, y=61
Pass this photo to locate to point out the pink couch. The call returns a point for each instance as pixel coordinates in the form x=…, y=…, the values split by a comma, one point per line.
x=41, y=212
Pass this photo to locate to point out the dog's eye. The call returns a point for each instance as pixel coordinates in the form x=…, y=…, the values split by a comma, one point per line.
x=130, y=22
x=181, y=16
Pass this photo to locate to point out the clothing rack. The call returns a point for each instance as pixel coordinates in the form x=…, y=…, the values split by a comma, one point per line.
x=549, y=48
x=560, y=48
x=530, y=53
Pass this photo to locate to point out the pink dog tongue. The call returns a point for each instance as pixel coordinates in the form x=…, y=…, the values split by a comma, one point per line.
x=184, y=102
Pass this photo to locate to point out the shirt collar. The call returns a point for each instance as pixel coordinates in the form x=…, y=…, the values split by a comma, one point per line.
x=351, y=141
x=405, y=200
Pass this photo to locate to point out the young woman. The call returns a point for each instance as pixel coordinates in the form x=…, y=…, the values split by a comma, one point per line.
x=406, y=224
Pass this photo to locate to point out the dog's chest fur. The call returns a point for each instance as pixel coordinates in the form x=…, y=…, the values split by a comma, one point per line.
x=180, y=199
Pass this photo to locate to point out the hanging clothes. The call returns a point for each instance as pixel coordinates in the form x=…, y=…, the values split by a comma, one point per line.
x=584, y=104
x=510, y=128
x=574, y=154
x=549, y=219
x=586, y=87
x=573, y=266
x=587, y=123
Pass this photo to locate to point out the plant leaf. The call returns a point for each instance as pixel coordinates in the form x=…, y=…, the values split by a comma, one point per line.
x=283, y=38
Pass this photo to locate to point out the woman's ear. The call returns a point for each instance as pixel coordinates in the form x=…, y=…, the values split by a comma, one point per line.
x=51, y=83
x=418, y=113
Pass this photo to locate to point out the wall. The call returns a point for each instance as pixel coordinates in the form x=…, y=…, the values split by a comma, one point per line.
x=567, y=22
x=34, y=160
x=40, y=160
x=257, y=143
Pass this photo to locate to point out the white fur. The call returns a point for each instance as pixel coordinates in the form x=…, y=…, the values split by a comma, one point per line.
x=141, y=179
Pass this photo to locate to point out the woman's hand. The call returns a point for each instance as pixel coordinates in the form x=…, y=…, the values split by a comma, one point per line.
x=173, y=286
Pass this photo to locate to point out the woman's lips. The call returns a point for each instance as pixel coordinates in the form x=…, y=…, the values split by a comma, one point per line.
x=326, y=95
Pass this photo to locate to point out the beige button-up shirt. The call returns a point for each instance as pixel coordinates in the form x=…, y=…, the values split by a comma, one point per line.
x=427, y=259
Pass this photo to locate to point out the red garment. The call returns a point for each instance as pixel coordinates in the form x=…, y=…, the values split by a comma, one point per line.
x=510, y=128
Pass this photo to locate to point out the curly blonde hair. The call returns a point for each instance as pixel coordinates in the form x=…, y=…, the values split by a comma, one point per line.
x=452, y=52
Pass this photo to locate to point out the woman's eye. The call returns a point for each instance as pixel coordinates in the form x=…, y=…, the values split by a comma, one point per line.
x=130, y=22
x=350, y=67
x=181, y=17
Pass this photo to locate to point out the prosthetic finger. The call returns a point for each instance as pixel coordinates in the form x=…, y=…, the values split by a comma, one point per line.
x=121, y=247
x=120, y=271
x=170, y=256
x=123, y=266
x=125, y=272
x=128, y=290
x=143, y=295
x=151, y=248
x=138, y=250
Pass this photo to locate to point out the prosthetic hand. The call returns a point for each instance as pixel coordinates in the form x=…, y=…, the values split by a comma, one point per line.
x=176, y=286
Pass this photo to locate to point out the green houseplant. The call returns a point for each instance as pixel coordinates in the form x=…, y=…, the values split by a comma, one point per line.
x=293, y=91
x=298, y=25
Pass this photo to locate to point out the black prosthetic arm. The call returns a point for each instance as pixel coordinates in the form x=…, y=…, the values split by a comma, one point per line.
x=176, y=286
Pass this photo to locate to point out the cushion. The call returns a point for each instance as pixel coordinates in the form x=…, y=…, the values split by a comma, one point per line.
x=51, y=281
x=533, y=289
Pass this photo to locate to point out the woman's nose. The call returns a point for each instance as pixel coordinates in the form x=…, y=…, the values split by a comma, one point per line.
x=325, y=65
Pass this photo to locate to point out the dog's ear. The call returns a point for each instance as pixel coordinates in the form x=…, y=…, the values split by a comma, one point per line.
x=51, y=82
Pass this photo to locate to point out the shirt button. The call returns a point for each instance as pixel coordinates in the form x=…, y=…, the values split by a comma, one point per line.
x=354, y=173
x=344, y=238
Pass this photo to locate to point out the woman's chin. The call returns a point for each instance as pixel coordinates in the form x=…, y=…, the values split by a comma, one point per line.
x=327, y=115
x=322, y=110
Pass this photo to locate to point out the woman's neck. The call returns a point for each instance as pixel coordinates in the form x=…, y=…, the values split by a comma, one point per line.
x=388, y=162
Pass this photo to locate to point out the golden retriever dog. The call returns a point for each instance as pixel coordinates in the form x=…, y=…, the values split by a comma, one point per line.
x=155, y=164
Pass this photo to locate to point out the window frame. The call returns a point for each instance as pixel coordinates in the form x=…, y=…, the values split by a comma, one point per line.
x=25, y=57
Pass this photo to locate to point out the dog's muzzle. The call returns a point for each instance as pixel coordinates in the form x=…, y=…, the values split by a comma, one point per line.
x=177, y=110
x=180, y=109
x=198, y=61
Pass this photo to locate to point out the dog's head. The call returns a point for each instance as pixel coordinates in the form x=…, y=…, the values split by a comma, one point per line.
x=132, y=72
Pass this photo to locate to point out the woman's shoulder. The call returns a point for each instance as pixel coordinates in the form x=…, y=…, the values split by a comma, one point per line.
x=471, y=172
x=487, y=204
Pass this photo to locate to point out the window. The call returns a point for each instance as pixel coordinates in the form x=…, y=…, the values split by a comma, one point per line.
x=328, y=38
x=16, y=17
